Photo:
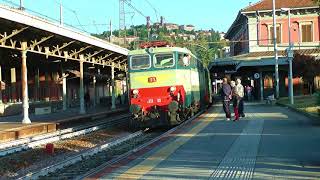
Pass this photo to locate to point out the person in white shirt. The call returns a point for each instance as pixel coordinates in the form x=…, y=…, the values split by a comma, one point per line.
x=240, y=92
x=186, y=60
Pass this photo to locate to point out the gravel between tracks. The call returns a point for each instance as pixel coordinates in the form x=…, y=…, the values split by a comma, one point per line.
x=80, y=168
x=21, y=163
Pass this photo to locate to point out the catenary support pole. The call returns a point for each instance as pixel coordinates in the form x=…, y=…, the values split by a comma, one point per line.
x=276, y=68
x=290, y=60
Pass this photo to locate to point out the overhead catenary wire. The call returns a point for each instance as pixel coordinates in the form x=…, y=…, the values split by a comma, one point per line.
x=134, y=8
x=74, y=12
x=155, y=10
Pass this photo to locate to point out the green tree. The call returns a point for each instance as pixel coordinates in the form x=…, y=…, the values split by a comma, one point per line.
x=317, y=1
x=203, y=51
x=163, y=37
x=306, y=67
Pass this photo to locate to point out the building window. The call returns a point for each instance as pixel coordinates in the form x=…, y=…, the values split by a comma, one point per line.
x=306, y=32
x=271, y=35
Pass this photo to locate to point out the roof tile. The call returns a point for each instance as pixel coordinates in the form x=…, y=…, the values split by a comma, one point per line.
x=267, y=4
x=315, y=51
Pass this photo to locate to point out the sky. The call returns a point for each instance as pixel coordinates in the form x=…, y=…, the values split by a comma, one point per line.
x=83, y=14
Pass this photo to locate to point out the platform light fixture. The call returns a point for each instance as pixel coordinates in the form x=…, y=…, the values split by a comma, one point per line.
x=56, y=61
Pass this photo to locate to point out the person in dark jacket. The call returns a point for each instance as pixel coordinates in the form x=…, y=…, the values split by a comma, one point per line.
x=87, y=99
x=226, y=97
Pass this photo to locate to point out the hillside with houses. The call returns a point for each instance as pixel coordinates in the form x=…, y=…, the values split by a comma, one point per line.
x=206, y=44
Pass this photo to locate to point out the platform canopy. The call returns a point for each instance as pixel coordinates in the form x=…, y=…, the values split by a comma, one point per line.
x=55, y=41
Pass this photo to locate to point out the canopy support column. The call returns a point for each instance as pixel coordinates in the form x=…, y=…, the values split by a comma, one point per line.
x=0, y=86
x=82, y=108
x=64, y=89
x=24, y=83
x=113, y=103
x=261, y=86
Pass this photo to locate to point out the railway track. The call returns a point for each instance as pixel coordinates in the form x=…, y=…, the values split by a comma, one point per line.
x=93, y=160
x=27, y=143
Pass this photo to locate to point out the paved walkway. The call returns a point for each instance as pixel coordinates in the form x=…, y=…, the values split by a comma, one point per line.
x=271, y=142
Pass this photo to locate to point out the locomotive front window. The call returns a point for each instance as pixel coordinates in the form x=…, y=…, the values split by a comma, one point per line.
x=140, y=62
x=163, y=60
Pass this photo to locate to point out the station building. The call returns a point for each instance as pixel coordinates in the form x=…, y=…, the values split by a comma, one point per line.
x=48, y=67
x=251, y=55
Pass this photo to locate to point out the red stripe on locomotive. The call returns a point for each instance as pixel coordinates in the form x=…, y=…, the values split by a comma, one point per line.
x=157, y=96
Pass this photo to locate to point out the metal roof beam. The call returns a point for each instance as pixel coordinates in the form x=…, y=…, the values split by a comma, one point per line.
x=89, y=56
x=13, y=33
x=58, y=49
x=75, y=53
x=36, y=43
x=114, y=59
x=105, y=57
x=124, y=60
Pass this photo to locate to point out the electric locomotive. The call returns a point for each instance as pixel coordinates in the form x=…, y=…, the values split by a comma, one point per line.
x=167, y=85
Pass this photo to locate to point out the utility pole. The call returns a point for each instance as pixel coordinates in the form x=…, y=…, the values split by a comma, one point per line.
x=275, y=48
x=21, y=5
x=122, y=16
x=148, y=26
x=110, y=27
x=61, y=13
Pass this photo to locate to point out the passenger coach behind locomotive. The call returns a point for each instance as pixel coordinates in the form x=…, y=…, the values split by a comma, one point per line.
x=167, y=85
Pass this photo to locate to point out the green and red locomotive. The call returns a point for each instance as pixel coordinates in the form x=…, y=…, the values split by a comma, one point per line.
x=167, y=85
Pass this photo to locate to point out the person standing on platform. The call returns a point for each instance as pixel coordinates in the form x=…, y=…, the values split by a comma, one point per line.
x=226, y=97
x=87, y=99
x=249, y=92
x=240, y=91
x=235, y=100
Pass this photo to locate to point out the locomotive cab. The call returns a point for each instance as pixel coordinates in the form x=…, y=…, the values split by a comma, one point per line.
x=164, y=86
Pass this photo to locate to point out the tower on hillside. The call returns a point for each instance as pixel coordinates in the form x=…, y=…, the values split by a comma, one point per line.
x=161, y=21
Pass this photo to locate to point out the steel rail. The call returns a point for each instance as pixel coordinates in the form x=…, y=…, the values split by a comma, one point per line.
x=121, y=157
x=79, y=157
x=27, y=143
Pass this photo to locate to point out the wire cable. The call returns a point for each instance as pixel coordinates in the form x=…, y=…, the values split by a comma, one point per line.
x=134, y=8
x=155, y=10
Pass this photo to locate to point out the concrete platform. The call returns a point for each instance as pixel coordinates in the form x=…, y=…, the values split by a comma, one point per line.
x=14, y=131
x=11, y=127
x=269, y=143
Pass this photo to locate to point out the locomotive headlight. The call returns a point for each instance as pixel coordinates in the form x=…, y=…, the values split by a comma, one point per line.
x=173, y=89
x=135, y=92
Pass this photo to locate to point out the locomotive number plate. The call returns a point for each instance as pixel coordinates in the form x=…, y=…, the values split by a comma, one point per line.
x=150, y=101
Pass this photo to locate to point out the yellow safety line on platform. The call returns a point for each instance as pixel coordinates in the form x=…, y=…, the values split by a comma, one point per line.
x=148, y=164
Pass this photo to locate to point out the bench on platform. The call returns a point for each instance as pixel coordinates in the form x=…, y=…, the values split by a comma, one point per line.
x=42, y=110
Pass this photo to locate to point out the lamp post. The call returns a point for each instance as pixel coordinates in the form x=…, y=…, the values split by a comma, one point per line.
x=290, y=55
x=276, y=69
